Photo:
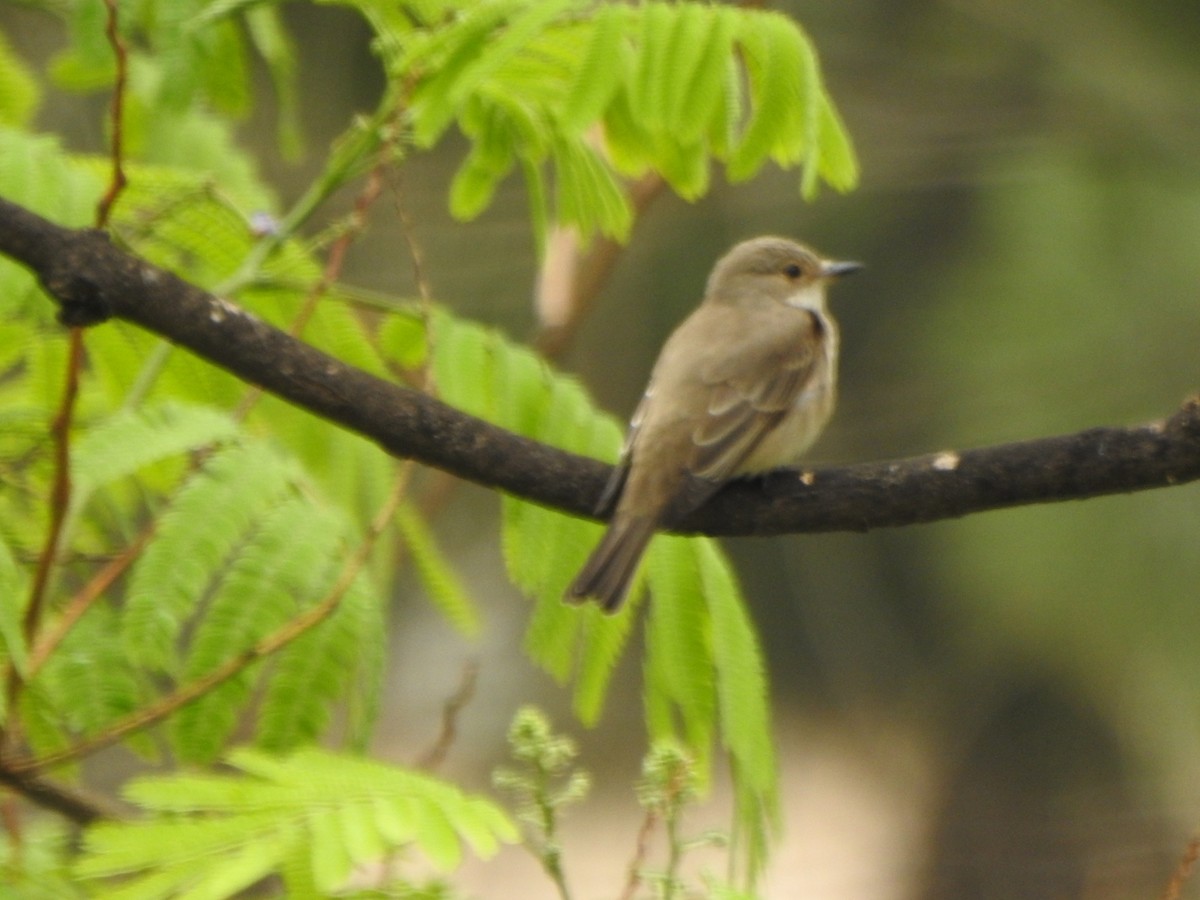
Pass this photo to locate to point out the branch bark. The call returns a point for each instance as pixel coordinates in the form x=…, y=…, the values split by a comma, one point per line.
x=92, y=281
x=81, y=807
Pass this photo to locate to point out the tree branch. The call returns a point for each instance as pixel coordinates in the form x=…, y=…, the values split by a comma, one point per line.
x=92, y=281
x=79, y=806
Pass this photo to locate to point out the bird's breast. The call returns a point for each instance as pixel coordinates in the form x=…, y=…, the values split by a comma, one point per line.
x=798, y=430
x=803, y=423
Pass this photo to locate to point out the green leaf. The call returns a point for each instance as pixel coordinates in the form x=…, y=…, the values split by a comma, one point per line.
x=35, y=865
x=183, y=792
x=88, y=64
x=571, y=424
x=211, y=833
x=521, y=117
x=490, y=159
x=601, y=69
x=88, y=681
x=35, y=172
x=438, y=838
x=589, y=195
x=437, y=576
x=242, y=868
x=19, y=90
x=839, y=165
x=274, y=45
x=701, y=46
x=132, y=439
x=604, y=640
x=552, y=635
x=665, y=80
x=357, y=831
x=481, y=47
x=679, y=642
x=544, y=548
x=462, y=364
x=282, y=566
x=650, y=77
x=524, y=386
x=401, y=340
x=195, y=538
x=743, y=700
x=703, y=665
x=219, y=65
x=783, y=93
x=329, y=860
x=539, y=205
x=479, y=371
x=172, y=216
x=296, y=873
x=722, y=127
x=685, y=167
x=341, y=655
x=629, y=141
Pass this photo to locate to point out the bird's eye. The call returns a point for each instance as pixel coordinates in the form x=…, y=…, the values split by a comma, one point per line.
x=792, y=270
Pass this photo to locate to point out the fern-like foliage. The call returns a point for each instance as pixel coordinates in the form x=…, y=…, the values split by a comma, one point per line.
x=438, y=577
x=34, y=866
x=242, y=545
x=184, y=55
x=215, y=520
x=241, y=551
x=85, y=686
x=673, y=88
x=131, y=441
x=267, y=540
x=20, y=94
x=312, y=818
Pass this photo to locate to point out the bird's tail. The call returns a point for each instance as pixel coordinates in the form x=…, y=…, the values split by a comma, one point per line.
x=609, y=571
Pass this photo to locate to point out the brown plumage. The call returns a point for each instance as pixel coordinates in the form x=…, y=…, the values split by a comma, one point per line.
x=745, y=384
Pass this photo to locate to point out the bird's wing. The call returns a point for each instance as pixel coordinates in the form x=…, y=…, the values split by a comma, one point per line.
x=616, y=481
x=748, y=394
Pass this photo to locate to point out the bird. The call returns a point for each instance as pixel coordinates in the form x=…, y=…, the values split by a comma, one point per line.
x=744, y=384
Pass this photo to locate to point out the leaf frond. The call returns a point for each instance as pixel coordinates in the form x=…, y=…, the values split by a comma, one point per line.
x=664, y=80
x=193, y=543
x=211, y=834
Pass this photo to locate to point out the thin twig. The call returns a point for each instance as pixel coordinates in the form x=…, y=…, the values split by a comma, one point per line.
x=415, y=252
x=440, y=486
x=354, y=227
x=436, y=755
x=81, y=807
x=60, y=501
x=117, y=181
x=1183, y=870
x=334, y=263
x=60, y=496
x=641, y=854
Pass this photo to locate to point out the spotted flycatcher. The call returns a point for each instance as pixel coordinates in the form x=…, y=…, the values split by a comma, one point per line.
x=745, y=384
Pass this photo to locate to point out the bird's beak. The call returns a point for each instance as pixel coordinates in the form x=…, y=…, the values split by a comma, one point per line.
x=831, y=269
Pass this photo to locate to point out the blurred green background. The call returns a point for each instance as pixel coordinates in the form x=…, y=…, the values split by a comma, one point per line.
x=1003, y=706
